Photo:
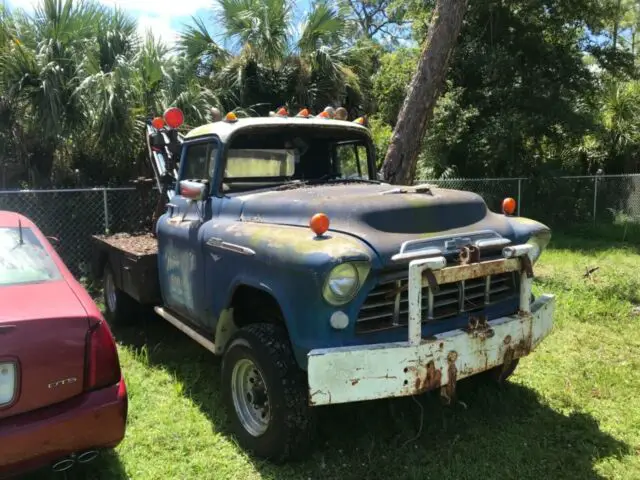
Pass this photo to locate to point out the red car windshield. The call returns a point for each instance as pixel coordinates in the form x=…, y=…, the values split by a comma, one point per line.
x=26, y=261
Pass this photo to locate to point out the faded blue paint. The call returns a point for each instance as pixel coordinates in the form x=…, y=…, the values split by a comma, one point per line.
x=199, y=280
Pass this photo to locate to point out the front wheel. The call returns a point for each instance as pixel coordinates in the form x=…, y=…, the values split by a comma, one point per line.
x=265, y=394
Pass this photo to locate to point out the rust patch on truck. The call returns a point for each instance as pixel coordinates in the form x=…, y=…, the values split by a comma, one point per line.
x=432, y=379
x=475, y=270
x=469, y=254
x=522, y=348
x=448, y=392
x=478, y=327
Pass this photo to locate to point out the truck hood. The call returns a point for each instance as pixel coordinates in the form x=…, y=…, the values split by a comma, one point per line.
x=383, y=216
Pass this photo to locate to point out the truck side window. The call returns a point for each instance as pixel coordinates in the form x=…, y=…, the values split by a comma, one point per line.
x=351, y=160
x=199, y=161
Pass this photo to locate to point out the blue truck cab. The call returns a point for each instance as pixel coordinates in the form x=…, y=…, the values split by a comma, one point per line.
x=281, y=251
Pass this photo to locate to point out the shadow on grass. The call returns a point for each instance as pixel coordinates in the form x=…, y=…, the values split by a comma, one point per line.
x=106, y=467
x=500, y=433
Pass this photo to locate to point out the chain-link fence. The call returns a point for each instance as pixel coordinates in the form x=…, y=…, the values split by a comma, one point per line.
x=493, y=190
x=560, y=201
x=74, y=215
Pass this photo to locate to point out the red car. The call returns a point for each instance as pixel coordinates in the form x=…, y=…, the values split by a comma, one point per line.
x=62, y=395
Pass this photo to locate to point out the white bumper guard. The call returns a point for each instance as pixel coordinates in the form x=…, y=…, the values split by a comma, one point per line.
x=351, y=374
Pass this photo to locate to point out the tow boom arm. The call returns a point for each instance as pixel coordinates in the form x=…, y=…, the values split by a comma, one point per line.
x=163, y=152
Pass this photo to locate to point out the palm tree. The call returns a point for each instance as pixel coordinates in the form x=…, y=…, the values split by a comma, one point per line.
x=620, y=120
x=269, y=63
x=83, y=82
x=39, y=72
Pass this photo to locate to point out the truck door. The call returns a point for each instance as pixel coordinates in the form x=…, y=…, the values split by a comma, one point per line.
x=180, y=249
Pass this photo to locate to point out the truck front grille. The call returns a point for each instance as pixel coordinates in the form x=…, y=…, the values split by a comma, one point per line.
x=387, y=304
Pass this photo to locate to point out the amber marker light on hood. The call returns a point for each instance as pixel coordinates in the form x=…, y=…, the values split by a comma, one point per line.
x=319, y=223
x=508, y=206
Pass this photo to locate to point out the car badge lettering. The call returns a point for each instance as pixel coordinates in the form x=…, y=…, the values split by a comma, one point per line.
x=60, y=383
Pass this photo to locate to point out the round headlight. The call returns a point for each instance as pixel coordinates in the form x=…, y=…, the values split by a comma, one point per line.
x=342, y=284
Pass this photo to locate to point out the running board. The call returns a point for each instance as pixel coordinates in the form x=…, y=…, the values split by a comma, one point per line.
x=180, y=325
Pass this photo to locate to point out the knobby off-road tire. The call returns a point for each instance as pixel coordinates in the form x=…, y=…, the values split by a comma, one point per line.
x=120, y=308
x=284, y=427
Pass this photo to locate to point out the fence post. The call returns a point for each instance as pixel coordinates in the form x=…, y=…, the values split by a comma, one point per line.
x=106, y=211
x=595, y=198
x=519, y=194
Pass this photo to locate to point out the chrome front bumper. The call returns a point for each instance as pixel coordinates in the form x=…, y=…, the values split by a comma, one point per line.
x=351, y=374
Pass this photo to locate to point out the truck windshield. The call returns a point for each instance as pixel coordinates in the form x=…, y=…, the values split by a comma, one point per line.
x=265, y=157
x=26, y=262
x=253, y=162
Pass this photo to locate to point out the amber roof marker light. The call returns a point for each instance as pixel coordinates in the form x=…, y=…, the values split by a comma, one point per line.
x=157, y=123
x=173, y=117
x=216, y=114
x=341, y=113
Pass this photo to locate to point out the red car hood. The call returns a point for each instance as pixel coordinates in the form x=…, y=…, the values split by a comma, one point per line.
x=45, y=300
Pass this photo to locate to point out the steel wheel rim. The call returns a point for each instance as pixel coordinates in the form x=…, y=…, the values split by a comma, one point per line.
x=250, y=399
x=110, y=292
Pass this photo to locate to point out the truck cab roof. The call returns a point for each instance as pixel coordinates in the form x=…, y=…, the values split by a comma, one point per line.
x=224, y=129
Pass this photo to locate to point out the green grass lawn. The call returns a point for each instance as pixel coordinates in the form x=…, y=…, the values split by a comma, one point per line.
x=572, y=410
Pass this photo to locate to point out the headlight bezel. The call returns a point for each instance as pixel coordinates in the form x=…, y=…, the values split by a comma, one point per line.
x=360, y=271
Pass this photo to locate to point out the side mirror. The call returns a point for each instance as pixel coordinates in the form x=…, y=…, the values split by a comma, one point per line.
x=194, y=191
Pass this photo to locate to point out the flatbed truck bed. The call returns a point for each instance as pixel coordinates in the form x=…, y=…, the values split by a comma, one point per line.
x=133, y=259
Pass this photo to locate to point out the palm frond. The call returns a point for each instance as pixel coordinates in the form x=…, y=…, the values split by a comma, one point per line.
x=196, y=43
x=324, y=26
x=262, y=25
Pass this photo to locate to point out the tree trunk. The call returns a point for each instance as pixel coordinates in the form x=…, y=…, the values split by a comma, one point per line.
x=400, y=162
x=616, y=24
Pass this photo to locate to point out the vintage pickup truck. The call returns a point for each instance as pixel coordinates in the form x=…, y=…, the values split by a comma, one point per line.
x=318, y=284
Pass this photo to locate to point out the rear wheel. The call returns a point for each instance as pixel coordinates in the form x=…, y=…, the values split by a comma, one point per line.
x=265, y=394
x=119, y=307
